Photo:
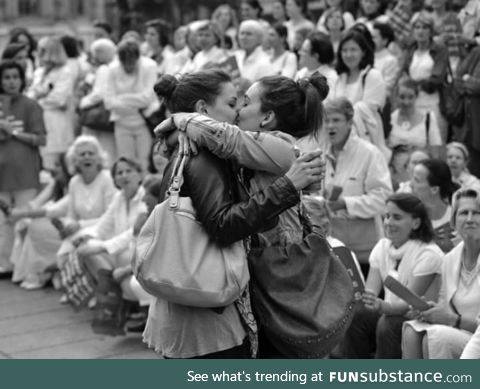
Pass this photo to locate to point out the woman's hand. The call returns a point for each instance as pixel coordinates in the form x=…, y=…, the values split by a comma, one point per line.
x=306, y=170
x=93, y=246
x=438, y=315
x=186, y=146
x=176, y=121
x=70, y=227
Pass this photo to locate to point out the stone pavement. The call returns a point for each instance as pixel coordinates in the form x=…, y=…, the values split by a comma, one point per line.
x=34, y=325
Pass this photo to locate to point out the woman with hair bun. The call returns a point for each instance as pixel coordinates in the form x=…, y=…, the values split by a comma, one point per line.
x=208, y=102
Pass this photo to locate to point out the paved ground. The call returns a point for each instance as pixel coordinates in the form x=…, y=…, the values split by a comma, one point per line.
x=35, y=325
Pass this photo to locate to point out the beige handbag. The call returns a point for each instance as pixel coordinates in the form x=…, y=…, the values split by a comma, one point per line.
x=177, y=261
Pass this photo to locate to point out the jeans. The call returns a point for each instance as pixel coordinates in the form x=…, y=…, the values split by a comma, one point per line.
x=372, y=334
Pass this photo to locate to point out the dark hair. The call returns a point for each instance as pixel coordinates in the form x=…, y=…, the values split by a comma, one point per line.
x=439, y=175
x=322, y=46
x=297, y=105
x=303, y=5
x=128, y=49
x=407, y=82
x=163, y=30
x=103, y=25
x=15, y=34
x=412, y=205
x=153, y=185
x=60, y=187
x=365, y=46
x=255, y=5
x=70, y=45
x=12, y=50
x=10, y=64
x=182, y=95
x=130, y=162
x=382, y=5
x=282, y=32
x=386, y=31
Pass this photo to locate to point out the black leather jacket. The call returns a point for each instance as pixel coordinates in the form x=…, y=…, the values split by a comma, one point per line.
x=223, y=207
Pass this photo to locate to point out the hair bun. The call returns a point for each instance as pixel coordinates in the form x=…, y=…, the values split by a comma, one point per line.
x=165, y=86
x=319, y=81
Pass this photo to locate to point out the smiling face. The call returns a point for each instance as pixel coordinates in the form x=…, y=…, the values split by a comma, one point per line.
x=223, y=109
x=399, y=224
x=352, y=54
x=467, y=218
x=337, y=128
x=456, y=161
x=274, y=40
x=250, y=115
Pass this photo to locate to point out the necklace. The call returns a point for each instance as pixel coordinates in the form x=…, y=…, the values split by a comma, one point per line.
x=468, y=275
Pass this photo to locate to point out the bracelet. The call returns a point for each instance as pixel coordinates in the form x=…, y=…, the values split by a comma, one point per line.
x=458, y=321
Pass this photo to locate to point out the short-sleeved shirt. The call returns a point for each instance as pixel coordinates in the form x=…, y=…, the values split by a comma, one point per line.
x=20, y=162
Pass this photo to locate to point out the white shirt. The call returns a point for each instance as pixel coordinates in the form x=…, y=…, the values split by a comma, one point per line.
x=127, y=94
x=115, y=227
x=414, y=135
x=420, y=259
x=255, y=66
x=285, y=64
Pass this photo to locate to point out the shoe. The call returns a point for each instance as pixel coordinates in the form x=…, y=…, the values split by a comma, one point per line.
x=27, y=285
x=5, y=273
x=64, y=299
x=135, y=326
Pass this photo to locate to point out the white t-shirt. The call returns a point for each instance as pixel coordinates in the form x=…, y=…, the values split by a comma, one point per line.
x=415, y=135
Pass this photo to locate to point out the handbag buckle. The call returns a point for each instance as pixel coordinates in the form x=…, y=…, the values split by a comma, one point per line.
x=174, y=196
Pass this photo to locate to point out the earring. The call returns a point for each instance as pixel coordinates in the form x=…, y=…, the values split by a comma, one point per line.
x=262, y=125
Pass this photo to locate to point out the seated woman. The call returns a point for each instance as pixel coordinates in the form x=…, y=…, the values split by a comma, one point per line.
x=90, y=193
x=432, y=183
x=36, y=239
x=107, y=243
x=457, y=161
x=443, y=330
x=408, y=253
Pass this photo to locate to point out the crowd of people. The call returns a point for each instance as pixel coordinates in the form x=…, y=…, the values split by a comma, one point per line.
x=374, y=99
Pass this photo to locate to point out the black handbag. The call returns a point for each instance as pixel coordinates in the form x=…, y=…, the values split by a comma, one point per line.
x=452, y=101
x=96, y=117
x=302, y=296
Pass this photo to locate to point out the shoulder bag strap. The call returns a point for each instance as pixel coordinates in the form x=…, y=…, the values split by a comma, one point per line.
x=176, y=180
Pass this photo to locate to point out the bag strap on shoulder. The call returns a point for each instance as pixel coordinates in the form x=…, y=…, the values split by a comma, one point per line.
x=427, y=127
x=176, y=180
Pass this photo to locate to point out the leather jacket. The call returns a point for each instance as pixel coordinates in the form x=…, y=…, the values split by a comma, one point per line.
x=223, y=207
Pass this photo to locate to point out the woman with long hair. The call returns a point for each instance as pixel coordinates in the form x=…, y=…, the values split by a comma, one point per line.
x=200, y=93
